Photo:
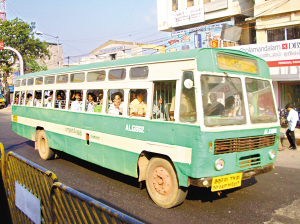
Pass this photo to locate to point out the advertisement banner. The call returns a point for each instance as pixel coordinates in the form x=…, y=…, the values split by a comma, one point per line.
x=197, y=37
x=276, y=54
x=190, y=15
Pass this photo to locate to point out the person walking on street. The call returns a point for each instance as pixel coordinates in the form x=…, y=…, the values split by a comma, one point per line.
x=292, y=119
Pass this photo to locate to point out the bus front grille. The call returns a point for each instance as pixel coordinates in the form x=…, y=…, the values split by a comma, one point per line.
x=247, y=161
x=230, y=145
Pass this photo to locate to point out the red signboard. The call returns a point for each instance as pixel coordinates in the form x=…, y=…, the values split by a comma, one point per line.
x=292, y=62
x=1, y=45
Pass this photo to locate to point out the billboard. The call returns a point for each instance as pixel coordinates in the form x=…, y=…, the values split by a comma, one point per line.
x=197, y=37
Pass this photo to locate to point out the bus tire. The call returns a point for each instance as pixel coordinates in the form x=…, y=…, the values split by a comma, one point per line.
x=162, y=184
x=43, y=147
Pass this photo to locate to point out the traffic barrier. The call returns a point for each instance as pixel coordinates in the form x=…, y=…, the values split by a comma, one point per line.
x=71, y=206
x=28, y=190
x=35, y=196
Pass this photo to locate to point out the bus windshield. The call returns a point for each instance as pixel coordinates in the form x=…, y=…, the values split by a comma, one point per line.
x=261, y=103
x=222, y=99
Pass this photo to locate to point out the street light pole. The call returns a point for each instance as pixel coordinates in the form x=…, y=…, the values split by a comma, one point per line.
x=57, y=42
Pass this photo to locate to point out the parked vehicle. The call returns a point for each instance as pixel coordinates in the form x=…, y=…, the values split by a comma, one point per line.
x=2, y=101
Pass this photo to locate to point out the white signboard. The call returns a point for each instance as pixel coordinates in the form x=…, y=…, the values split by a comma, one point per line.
x=276, y=54
x=190, y=15
x=27, y=203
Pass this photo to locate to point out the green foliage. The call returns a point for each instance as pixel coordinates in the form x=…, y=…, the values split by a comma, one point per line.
x=20, y=36
x=35, y=67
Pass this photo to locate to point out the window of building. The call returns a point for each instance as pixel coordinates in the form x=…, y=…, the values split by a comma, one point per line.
x=174, y=5
x=164, y=100
x=139, y=72
x=190, y=3
x=116, y=74
x=288, y=33
x=77, y=77
x=96, y=76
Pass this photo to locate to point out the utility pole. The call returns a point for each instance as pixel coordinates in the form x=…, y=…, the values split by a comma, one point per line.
x=2, y=10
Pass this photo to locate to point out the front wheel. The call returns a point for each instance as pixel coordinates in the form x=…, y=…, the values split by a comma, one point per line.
x=162, y=184
x=42, y=143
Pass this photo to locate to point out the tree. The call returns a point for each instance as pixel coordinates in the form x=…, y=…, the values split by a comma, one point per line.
x=20, y=36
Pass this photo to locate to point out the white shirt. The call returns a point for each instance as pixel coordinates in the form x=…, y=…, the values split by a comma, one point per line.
x=76, y=106
x=292, y=119
x=114, y=110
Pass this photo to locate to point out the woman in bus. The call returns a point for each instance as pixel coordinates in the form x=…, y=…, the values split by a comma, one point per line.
x=90, y=105
x=116, y=108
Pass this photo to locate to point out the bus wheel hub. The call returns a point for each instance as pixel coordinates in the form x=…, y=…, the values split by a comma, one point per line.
x=162, y=181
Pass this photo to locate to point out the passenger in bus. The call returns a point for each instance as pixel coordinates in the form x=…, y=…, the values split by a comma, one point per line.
x=215, y=108
x=159, y=107
x=49, y=100
x=76, y=105
x=37, y=100
x=90, y=105
x=132, y=95
x=138, y=107
x=29, y=102
x=116, y=108
x=17, y=99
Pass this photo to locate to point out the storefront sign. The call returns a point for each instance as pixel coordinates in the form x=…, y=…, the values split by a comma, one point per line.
x=190, y=15
x=110, y=50
x=276, y=54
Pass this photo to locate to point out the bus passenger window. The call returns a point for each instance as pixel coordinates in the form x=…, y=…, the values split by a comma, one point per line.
x=76, y=100
x=17, y=96
x=116, y=102
x=187, y=108
x=60, y=99
x=29, y=100
x=37, y=98
x=164, y=100
x=48, y=99
x=22, y=98
x=138, y=107
x=94, y=101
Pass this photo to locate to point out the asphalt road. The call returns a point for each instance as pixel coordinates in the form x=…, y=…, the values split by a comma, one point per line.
x=269, y=198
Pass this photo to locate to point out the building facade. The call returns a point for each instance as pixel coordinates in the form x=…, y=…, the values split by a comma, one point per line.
x=269, y=29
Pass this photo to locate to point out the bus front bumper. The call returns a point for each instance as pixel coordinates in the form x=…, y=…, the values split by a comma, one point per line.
x=247, y=174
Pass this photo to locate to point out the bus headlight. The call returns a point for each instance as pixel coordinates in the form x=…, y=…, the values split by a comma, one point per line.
x=219, y=164
x=272, y=154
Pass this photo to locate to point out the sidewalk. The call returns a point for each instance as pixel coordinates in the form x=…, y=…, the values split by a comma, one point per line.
x=289, y=158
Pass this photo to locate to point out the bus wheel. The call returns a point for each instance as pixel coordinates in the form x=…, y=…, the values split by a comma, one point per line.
x=44, y=150
x=162, y=184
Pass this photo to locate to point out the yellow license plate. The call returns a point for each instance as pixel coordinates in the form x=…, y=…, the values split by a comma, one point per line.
x=15, y=118
x=226, y=182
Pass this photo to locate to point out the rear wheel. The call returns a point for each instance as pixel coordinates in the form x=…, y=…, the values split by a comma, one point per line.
x=42, y=143
x=162, y=184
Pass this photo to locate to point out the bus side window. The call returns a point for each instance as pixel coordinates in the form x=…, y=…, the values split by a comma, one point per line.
x=94, y=101
x=187, y=108
x=22, y=98
x=37, y=98
x=17, y=96
x=29, y=98
x=60, y=99
x=48, y=99
x=76, y=100
x=138, y=106
x=115, y=102
x=164, y=100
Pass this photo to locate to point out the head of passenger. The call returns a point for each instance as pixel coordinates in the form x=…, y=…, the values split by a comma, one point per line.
x=91, y=97
x=51, y=96
x=132, y=96
x=58, y=97
x=160, y=97
x=116, y=98
x=101, y=99
x=77, y=96
x=140, y=95
x=29, y=96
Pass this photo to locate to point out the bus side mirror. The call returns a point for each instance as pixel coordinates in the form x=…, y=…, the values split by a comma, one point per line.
x=188, y=83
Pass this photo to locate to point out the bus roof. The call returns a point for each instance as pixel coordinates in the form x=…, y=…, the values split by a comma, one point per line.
x=205, y=59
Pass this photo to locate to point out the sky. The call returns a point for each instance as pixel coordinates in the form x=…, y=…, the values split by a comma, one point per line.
x=84, y=25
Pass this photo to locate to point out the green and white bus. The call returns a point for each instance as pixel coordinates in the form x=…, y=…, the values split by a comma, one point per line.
x=203, y=117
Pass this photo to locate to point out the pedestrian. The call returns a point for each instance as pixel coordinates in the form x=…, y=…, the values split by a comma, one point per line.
x=7, y=91
x=292, y=119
